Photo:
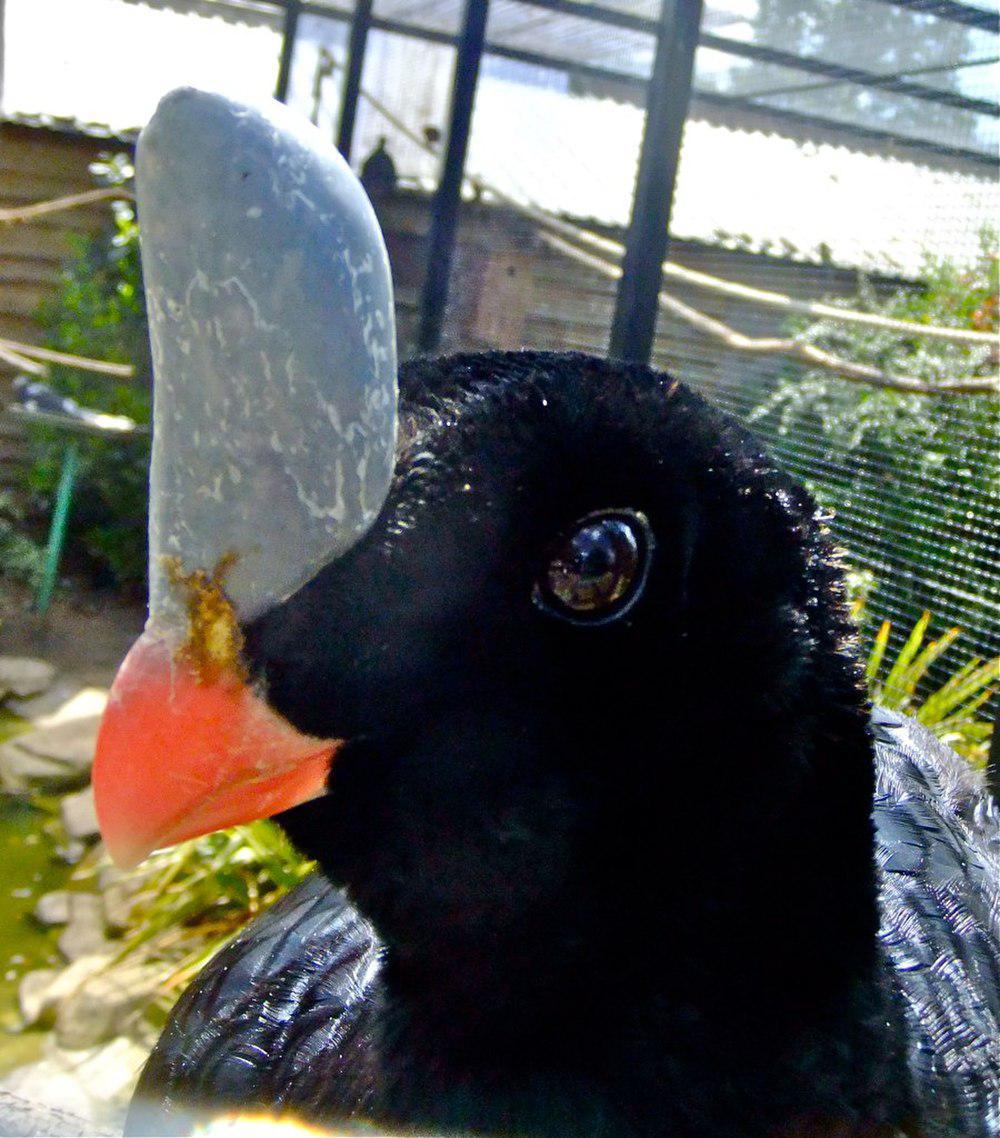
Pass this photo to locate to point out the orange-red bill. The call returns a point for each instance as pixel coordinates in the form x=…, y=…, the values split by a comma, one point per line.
x=179, y=756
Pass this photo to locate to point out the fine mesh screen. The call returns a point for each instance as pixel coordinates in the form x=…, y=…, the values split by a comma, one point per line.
x=911, y=480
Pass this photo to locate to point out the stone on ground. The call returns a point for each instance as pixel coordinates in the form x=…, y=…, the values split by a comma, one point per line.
x=53, y=758
x=42, y=990
x=95, y=1084
x=33, y=994
x=79, y=815
x=53, y=908
x=104, y=1005
x=85, y=932
x=24, y=677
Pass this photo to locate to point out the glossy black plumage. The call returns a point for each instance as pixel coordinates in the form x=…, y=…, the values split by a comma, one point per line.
x=623, y=879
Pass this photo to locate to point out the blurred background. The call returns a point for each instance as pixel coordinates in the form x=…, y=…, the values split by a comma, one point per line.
x=790, y=204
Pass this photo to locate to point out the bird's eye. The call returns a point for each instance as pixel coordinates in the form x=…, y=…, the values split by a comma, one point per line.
x=597, y=571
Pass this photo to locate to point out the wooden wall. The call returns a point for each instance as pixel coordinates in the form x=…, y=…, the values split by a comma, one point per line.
x=510, y=290
x=37, y=164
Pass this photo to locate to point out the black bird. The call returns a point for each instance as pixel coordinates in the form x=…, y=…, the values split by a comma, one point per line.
x=557, y=685
x=378, y=172
x=598, y=856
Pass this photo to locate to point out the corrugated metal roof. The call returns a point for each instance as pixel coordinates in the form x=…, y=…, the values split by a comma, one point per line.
x=109, y=61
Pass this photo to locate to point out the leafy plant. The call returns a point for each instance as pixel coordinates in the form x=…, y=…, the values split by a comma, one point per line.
x=21, y=559
x=912, y=478
x=99, y=311
x=952, y=710
x=191, y=899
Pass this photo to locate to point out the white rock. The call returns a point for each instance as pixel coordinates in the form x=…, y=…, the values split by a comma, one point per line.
x=33, y=994
x=79, y=815
x=23, y=677
x=103, y=1004
x=95, y=1084
x=21, y=771
x=23, y=1116
x=64, y=689
x=76, y=703
x=51, y=758
x=53, y=908
x=41, y=990
x=118, y=902
x=71, y=977
x=85, y=933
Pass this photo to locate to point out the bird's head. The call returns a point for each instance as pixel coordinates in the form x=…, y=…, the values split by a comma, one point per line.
x=571, y=629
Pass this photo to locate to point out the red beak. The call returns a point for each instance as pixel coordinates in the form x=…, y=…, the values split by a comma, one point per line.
x=180, y=754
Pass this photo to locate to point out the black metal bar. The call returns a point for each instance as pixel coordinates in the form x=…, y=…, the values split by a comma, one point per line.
x=356, y=45
x=634, y=324
x=291, y=25
x=447, y=199
x=957, y=13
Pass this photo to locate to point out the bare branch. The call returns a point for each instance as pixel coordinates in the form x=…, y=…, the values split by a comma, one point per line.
x=101, y=367
x=18, y=214
x=22, y=363
x=615, y=250
x=816, y=357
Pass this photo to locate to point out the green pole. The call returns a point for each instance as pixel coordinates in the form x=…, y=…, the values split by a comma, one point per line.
x=57, y=530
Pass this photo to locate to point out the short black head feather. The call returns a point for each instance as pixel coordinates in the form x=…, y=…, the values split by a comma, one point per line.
x=513, y=779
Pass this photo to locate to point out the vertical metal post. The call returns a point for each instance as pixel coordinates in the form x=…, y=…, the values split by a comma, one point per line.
x=2, y=55
x=57, y=527
x=669, y=92
x=292, y=13
x=447, y=200
x=356, y=46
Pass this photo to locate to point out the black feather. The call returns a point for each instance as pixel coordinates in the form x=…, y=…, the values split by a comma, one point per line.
x=617, y=880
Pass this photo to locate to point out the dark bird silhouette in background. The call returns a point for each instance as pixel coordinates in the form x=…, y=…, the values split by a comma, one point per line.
x=378, y=173
x=598, y=857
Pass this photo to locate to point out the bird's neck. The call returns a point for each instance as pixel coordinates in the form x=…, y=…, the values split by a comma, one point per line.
x=753, y=949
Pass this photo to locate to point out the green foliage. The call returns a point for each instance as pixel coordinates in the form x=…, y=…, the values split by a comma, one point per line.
x=99, y=311
x=912, y=478
x=194, y=897
x=952, y=710
x=20, y=558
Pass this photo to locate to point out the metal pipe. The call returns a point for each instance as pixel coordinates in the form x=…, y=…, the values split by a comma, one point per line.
x=293, y=10
x=356, y=47
x=57, y=528
x=447, y=199
x=634, y=324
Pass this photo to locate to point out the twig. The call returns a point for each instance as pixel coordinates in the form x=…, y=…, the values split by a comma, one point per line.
x=857, y=373
x=18, y=214
x=763, y=296
x=101, y=367
x=22, y=363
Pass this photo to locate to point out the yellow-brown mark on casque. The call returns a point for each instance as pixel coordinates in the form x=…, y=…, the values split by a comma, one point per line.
x=214, y=640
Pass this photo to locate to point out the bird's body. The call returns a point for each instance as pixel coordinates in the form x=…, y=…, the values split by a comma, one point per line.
x=605, y=877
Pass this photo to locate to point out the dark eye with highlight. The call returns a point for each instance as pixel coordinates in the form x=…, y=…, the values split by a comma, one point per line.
x=597, y=571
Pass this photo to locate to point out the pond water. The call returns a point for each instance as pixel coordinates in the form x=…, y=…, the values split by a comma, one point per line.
x=31, y=867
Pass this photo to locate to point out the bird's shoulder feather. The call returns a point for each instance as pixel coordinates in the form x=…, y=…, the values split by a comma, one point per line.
x=279, y=1015
x=938, y=854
